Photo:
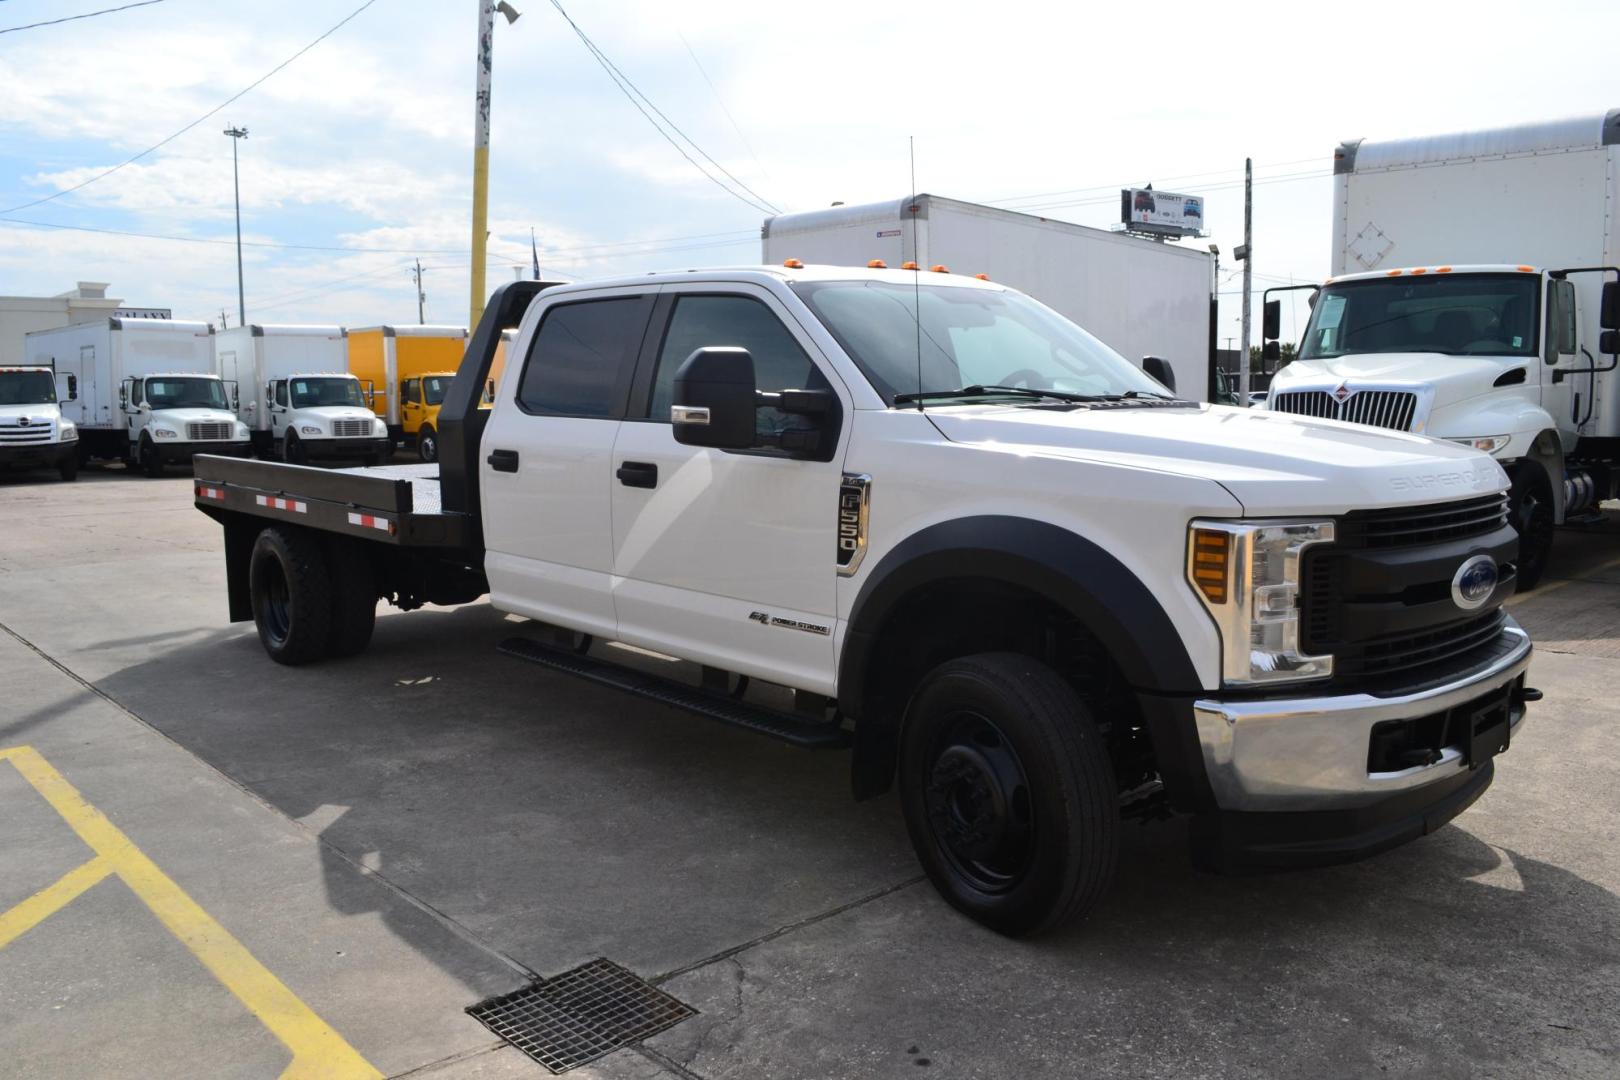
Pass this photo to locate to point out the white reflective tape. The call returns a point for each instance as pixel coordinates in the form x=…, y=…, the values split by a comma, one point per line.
x=210, y=493
x=274, y=503
x=371, y=521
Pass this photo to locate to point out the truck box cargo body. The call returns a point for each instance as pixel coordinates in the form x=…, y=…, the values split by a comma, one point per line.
x=1467, y=304
x=103, y=370
x=386, y=356
x=1038, y=610
x=273, y=365
x=1140, y=297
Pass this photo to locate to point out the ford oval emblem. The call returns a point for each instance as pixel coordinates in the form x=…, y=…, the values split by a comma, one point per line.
x=1474, y=582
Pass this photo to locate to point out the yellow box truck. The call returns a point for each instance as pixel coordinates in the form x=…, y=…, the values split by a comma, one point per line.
x=411, y=368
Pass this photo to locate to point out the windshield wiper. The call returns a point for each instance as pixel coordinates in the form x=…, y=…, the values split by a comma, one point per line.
x=981, y=390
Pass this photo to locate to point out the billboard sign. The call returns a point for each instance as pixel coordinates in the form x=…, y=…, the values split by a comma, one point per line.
x=1162, y=212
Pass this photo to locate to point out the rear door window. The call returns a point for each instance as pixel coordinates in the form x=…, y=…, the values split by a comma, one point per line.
x=583, y=356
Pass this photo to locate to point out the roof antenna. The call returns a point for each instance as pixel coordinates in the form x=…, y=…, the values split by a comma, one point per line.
x=916, y=267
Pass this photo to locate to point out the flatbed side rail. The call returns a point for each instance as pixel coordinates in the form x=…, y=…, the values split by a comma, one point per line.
x=366, y=507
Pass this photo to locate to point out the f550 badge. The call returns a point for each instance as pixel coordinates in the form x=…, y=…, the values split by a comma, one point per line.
x=854, y=501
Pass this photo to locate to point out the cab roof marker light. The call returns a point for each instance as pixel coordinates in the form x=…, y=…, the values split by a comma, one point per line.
x=909, y=266
x=793, y=264
x=1442, y=269
x=982, y=277
x=1394, y=273
x=1419, y=270
x=877, y=264
x=940, y=268
x=1526, y=269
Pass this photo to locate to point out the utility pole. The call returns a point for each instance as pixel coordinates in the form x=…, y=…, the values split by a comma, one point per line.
x=237, y=134
x=480, y=221
x=420, y=299
x=1247, y=255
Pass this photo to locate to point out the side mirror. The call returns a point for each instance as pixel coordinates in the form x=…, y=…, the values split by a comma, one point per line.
x=1609, y=309
x=489, y=390
x=1271, y=320
x=1159, y=368
x=1609, y=342
x=714, y=399
x=1271, y=351
x=123, y=395
x=73, y=387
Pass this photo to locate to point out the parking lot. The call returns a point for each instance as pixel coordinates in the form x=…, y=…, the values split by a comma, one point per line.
x=214, y=866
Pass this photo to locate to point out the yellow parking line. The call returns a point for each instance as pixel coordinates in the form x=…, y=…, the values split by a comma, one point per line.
x=51, y=899
x=317, y=1050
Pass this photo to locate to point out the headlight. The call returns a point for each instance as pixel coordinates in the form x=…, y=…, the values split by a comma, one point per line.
x=310, y=429
x=1247, y=574
x=164, y=433
x=379, y=427
x=66, y=431
x=242, y=431
x=1488, y=443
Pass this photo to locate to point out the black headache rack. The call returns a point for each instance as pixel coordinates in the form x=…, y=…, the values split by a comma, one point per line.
x=428, y=506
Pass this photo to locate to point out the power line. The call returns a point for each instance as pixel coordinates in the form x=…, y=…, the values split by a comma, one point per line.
x=228, y=101
x=632, y=93
x=1116, y=187
x=86, y=15
x=722, y=103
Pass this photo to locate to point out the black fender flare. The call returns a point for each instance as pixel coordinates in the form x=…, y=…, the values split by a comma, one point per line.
x=1076, y=574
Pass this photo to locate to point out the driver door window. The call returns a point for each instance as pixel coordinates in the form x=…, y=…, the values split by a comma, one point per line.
x=137, y=392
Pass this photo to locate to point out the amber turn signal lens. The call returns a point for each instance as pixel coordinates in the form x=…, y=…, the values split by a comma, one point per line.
x=1212, y=551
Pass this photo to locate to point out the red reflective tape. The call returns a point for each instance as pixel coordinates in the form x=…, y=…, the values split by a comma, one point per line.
x=274, y=503
x=210, y=493
x=372, y=521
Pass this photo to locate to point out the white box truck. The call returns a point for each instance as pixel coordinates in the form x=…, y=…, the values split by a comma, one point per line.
x=140, y=390
x=1475, y=298
x=1140, y=297
x=296, y=395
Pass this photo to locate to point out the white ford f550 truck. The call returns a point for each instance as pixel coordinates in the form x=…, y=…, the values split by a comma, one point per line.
x=1476, y=297
x=1017, y=575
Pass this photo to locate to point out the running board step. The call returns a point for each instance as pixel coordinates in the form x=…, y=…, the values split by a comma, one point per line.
x=728, y=710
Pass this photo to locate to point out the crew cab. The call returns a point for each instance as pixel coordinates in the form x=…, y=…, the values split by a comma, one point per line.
x=1014, y=573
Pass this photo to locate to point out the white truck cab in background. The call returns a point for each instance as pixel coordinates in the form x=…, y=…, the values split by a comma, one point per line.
x=33, y=434
x=140, y=390
x=296, y=395
x=1474, y=298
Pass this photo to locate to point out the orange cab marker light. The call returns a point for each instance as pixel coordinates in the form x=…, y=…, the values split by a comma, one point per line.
x=909, y=266
x=793, y=264
x=877, y=264
x=1442, y=269
x=1212, y=550
x=1527, y=269
x=982, y=277
x=1420, y=270
x=1394, y=273
x=940, y=268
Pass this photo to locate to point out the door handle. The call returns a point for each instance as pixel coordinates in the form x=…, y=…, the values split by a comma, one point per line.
x=503, y=460
x=638, y=474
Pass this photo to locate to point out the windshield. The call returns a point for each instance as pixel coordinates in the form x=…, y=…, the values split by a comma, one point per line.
x=969, y=338
x=171, y=393
x=1460, y=315
x=27, y=388
x=309, y=393
x=434, y=387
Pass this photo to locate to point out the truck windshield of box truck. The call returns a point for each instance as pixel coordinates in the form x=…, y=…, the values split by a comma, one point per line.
x=968, y=337
x=434, y=388
x=1454, y=314
x=313, y=393
x=170, y=393
x=27, y=388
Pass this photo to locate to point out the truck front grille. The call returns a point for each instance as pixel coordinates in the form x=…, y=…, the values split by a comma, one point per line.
x=208, y=429
x=351, y=429
x=1394, y=409
x=1379, y=597
x=25, y=436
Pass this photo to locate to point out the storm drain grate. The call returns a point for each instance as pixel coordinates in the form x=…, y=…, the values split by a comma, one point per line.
x=580, y=1015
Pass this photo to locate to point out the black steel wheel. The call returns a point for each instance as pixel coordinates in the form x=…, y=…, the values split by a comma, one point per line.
x=68, y=467
x=1008, y=793
x=1530, y=508
x=292, y=450
x=427, y=444
x=147, y=457
x=290, y=587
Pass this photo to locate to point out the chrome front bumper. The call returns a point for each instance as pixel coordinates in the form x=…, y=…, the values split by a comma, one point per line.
x=1310, y=753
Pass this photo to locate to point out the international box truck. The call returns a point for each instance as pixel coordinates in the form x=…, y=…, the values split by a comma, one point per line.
x=1140, y=297
x=410, y=368
x=1474, y=298
x=1037, y=610
x=142, y=391
x=296, y=395
x=33, y=434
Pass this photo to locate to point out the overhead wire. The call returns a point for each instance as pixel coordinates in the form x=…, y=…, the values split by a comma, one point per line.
x=86, y=15
x=715, y=90
x=636, y=98
x=228, y=101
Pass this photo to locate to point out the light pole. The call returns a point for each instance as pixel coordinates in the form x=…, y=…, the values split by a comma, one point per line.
x=237, y=134
x=480, y=222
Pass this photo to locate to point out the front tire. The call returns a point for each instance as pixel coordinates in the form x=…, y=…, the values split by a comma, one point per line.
x=68, y=467
x=1530, y=509
x=427, y=445
x=292, y=450
x=290, y=586
x=1008, y=793
x=147, y=458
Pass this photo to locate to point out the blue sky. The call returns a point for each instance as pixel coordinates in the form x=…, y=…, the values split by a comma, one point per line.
x=365, y=141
